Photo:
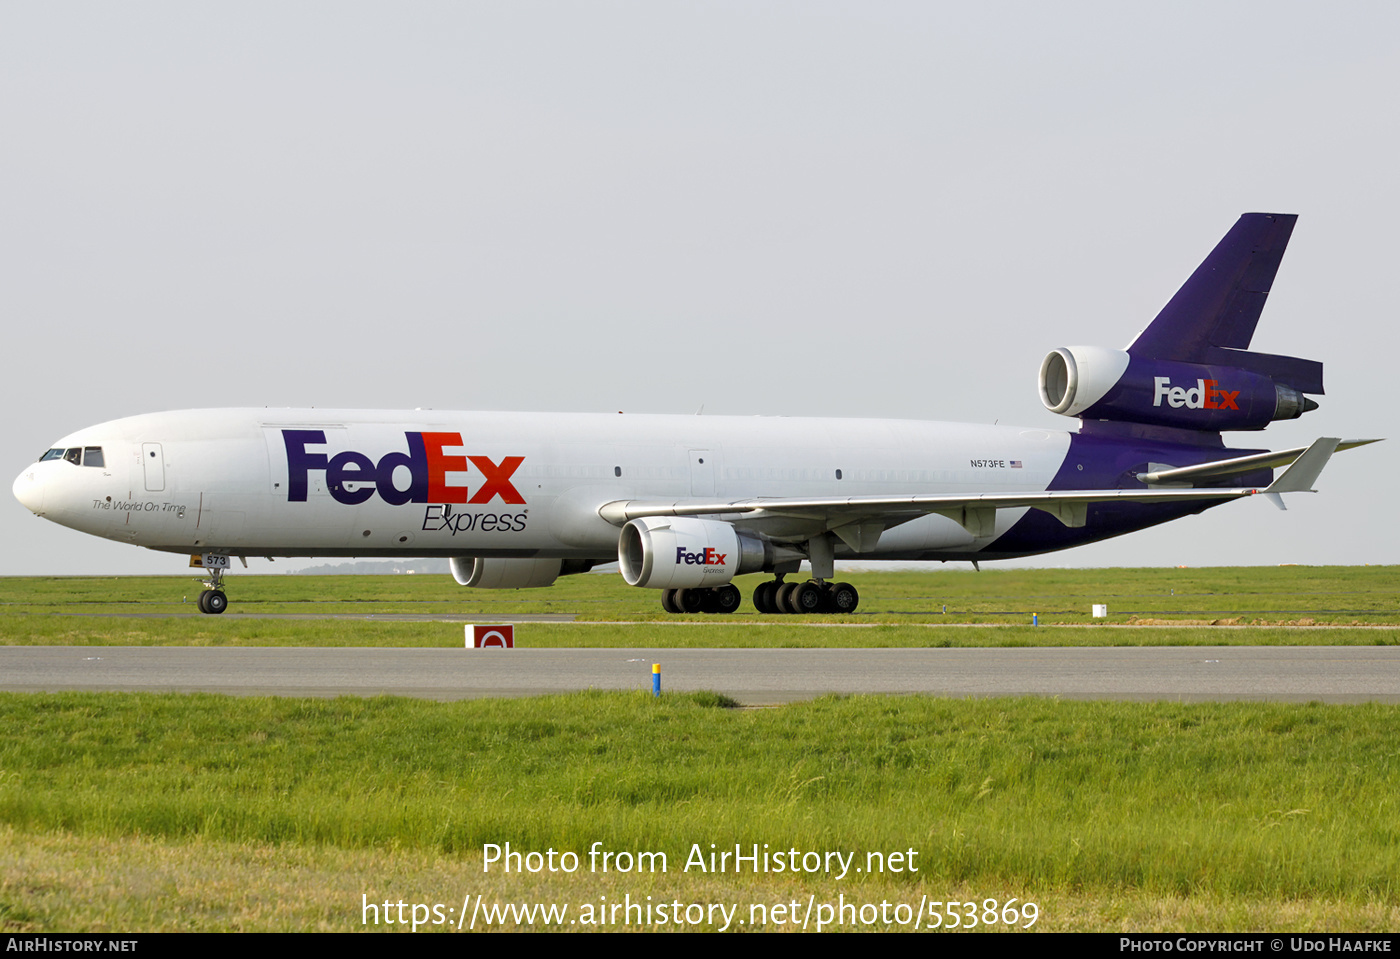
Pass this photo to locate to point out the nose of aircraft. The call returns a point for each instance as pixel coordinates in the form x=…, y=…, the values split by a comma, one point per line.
x=29, y=491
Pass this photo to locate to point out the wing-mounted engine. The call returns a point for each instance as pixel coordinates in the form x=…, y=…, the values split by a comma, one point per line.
x=1191, y=368
x=1101, y=384
x=480, y=573
x=681, y=552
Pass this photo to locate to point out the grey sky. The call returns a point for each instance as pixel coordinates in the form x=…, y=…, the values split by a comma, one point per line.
x=785, y=208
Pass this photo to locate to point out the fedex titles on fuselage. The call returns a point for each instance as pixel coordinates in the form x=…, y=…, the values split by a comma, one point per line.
x=427, y=465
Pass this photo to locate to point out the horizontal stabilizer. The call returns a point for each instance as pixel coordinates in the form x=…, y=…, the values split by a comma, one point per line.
x=1237, y=464
x=1299, y=477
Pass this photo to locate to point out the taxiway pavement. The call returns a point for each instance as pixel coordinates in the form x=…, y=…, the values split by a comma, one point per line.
x=1339, y=674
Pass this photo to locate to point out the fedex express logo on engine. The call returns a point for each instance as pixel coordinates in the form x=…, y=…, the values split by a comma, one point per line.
x=1205, y=396
x=427, y=468
x=709, y=556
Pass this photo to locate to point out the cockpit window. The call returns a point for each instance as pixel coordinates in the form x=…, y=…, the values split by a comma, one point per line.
x=78, y=456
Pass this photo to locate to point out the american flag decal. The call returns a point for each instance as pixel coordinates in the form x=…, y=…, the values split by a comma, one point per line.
x=1015, y=464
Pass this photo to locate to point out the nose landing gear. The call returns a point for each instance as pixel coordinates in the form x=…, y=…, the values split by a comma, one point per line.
x=213, y=599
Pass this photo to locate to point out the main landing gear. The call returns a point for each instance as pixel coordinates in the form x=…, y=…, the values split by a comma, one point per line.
x=818, y=595
x=773, y=597
x=812, y=596
x=714, y=599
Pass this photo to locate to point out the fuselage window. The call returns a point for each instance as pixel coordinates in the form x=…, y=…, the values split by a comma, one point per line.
x=74, y=455
x=92, y=456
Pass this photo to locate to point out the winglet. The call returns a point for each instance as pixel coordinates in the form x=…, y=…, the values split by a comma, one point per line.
x=1299, y=477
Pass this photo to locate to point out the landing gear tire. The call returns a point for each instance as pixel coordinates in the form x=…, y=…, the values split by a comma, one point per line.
x=723, y=599
x=668, y=600
x=213, y=601
x=690, y=600
x=842, y=598
x=807, y=598
x=764, y=597
x=782, y=595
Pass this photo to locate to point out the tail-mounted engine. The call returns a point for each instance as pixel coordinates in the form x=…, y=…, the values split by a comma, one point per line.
x=1100, y=384
x=1192, y=368
x=680, y=552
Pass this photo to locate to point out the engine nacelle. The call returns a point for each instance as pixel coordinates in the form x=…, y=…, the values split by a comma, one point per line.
x=1100, y=384
x=681, y=552
x=505, y=573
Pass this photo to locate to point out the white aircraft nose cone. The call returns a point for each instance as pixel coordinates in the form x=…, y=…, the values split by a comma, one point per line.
x=29, y=491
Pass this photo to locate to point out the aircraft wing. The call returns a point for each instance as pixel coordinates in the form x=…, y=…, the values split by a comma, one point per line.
x=858, y=519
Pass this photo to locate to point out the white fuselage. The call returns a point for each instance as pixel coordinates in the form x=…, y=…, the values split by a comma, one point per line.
x=259, y=482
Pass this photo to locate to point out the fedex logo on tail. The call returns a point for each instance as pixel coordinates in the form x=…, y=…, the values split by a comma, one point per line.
x=1205, y=395
x=426, y=461
x=706, y=557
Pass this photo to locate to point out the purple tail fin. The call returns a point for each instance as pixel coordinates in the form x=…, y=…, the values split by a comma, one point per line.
x=1211, y=319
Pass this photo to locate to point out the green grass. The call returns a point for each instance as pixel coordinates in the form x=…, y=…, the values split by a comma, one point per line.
x=1325, y=594
x=1283, y=605
x=1058, y=801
